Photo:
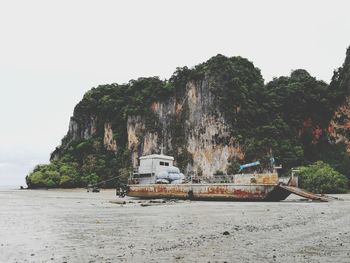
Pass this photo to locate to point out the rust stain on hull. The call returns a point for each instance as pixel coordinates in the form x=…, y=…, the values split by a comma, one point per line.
x=234, y=192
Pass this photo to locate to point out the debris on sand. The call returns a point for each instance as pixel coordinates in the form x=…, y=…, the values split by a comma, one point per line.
x=156, y=201
x=118, y=202
x=150, y=204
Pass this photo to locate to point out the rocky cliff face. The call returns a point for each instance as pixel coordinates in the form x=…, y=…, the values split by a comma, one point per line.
x=339, y=128
x=187, y=123
x=209, y=118
x=206, y=133
x=84, y=130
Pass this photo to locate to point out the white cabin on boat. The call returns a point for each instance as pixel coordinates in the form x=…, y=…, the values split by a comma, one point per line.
x=157, y=168
x=154, y=163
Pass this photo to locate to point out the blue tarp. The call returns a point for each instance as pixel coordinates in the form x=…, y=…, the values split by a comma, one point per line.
x=243, y=166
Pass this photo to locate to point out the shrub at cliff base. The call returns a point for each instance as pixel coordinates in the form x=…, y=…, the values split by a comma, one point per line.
x=53, y=175
x=320, y=177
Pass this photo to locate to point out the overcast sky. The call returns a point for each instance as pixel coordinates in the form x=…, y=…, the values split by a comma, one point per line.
x=52, y=52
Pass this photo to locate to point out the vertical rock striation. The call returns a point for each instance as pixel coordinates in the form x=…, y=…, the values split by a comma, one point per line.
x=207, y=136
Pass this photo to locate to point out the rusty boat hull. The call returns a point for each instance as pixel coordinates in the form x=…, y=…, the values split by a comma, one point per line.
x=243, y=187
x=238, y=187
x=210, y=192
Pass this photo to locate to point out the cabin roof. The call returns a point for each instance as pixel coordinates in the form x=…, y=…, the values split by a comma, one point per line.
x=157, y=156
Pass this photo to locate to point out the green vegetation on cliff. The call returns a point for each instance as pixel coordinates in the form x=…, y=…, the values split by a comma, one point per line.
x=287, y=118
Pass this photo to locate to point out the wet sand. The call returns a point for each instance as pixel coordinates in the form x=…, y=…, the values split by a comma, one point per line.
x=76, y=226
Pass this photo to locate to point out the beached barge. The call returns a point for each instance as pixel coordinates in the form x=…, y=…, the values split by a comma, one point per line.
x=156, y=177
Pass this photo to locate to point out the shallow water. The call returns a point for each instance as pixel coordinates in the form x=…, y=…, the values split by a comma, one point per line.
x=76, y=226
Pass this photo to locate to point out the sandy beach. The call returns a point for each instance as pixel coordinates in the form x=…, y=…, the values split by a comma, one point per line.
x=76, y=226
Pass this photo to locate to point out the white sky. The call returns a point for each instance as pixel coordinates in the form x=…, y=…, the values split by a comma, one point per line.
x=52, y=52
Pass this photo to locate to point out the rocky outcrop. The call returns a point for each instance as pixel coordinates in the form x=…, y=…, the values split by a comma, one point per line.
x=339, y=128
x=108, y=140
x=207, y=136
x=212, y=147
x=83, y=130
x=210, y=117
x=140, y=140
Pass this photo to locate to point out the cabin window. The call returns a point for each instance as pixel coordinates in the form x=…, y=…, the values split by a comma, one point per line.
x=142, y=175
x=161, y=163
x=166, y=164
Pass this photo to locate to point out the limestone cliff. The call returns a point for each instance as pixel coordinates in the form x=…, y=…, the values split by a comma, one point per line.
x=339, y=127
x=207, y=136
x=210, y=118
x=184, y=117
x=207, y=139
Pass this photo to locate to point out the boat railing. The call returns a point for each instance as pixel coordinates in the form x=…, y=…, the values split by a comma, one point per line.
x=226, y=178
x=194, y=178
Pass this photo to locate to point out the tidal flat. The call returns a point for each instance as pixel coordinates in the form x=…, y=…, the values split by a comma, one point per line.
x=77, y=226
